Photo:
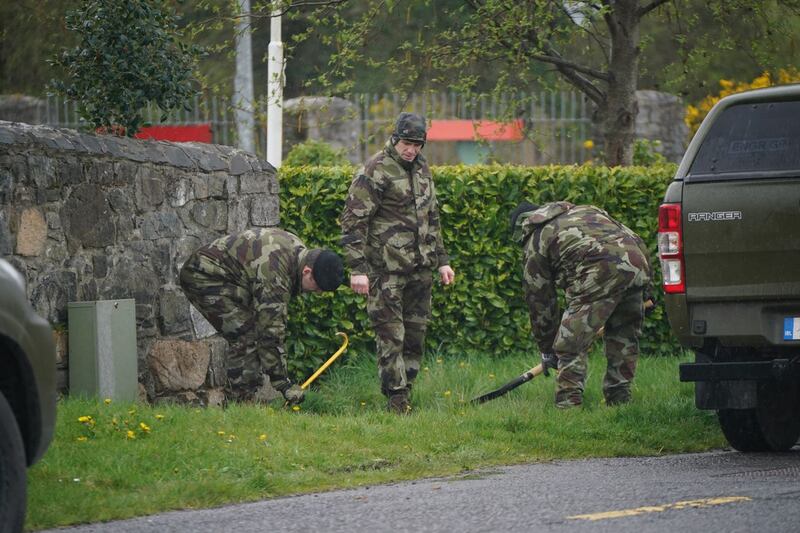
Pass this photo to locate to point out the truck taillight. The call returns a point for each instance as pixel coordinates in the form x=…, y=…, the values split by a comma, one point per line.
x=670, y=248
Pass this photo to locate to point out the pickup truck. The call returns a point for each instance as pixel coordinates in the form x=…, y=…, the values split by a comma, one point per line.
x=27, y=394
x=729, y=245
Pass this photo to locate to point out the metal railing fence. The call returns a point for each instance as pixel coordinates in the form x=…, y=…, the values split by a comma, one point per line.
x=556, y=124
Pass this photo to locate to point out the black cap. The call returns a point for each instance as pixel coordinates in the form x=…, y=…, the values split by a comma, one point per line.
x=524, y=207
x=328, y=271
x=410, y=127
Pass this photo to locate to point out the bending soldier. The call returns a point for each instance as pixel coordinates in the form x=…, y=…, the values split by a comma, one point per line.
x=242, y=284
x=603, y=268
x=393, y=242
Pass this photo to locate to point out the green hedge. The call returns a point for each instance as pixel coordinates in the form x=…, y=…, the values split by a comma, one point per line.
x=484, y=310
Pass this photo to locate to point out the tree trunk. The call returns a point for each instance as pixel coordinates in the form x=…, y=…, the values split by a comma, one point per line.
x=618, y=114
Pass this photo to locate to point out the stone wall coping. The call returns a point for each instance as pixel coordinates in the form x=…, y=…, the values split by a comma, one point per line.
x=188, y=155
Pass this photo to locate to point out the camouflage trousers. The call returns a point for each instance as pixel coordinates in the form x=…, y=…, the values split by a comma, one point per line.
x=621, y=314
x=216, y=285
x=399, y=308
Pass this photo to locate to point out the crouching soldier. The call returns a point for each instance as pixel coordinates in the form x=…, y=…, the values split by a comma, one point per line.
x=242, y=284
x=603, y=268
x=393, y=243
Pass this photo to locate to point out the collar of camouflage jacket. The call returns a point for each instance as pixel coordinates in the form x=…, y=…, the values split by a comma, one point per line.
x=527, y=222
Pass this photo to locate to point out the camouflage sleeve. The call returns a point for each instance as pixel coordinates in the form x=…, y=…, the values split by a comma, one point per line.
x=436, y=227
x=271, y=293
x=540, y=295
x=362, y=201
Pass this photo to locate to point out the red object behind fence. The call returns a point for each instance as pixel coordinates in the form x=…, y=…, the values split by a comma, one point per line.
x=190, y=132
x=468, y=130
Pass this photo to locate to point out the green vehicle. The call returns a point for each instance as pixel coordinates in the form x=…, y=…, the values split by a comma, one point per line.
x=27, y=394
x=729, y=244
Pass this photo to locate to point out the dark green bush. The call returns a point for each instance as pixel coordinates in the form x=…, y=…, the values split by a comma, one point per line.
x=130, y=55
x=484, y=310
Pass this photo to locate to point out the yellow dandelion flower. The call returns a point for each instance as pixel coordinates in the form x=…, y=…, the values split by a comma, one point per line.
x=144, y=427
x=447, y=393
x=588, y=144
x=107, y=401
x=439, y=360
x=363, y=404
x=81, y=439
x=159, y=417
x=221, y=433
x=132, y=412
x=295, y=408
x=491, y=376
x=262, y=437
x=426, y=369
x=130, y=435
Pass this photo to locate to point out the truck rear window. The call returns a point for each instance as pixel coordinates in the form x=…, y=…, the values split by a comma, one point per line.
x=751, y=140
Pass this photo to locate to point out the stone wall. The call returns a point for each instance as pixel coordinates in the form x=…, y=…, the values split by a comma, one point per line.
x=329, y=119
x=88, y=217
x=660, y=118
x=22, y=108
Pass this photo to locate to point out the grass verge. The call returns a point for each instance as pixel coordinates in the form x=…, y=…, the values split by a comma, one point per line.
x=110, y=461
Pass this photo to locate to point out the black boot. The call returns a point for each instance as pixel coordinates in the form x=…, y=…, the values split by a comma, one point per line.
x=398, y=403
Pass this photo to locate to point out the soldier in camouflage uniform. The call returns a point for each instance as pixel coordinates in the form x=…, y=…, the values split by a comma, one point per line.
x=393, y=243
x=603, y=268
x=242, y=284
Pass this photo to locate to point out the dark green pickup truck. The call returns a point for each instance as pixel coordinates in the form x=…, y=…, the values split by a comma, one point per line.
x=729, y=244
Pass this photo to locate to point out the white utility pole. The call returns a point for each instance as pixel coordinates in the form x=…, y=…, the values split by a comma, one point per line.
x=243, y=100
x=275, y=90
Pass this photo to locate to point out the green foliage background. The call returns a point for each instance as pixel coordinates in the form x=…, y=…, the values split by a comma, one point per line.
x=484, y=310
x=130, y=54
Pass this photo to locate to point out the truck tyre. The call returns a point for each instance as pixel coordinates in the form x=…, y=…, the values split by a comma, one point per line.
x=774, y=425
x=12, y=472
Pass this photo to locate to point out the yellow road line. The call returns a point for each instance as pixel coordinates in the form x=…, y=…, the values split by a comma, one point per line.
x=688, y=504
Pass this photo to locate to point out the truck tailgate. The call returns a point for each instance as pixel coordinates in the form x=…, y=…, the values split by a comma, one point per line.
x=741, y=239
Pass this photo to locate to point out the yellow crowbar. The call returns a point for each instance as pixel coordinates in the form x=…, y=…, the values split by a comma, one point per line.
x=327, y=363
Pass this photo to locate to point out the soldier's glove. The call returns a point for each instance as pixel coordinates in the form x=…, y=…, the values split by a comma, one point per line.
x=549, y=360
x=649, y=302
x=649, y=307
x=294, y=395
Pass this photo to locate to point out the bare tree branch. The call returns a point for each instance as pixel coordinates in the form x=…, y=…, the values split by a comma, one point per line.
x=554, y=58
x=644, y=10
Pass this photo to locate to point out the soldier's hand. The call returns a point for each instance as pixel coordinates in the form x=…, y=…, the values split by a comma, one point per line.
x=447, y=274
x=549, y=361
x=359, y=283
x=649, y=306
x=294, y=395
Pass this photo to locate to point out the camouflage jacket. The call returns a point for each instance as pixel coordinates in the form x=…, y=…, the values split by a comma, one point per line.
x=390, y=222
x=267, y=263
x=582, y=250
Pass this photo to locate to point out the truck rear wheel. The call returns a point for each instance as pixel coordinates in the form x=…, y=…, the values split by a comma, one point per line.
x=12, y=471
x=774, y=425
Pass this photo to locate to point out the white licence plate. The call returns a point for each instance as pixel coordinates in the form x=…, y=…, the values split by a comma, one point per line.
x=791, y=328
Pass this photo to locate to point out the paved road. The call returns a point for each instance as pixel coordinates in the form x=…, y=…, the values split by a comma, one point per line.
x=707, y=492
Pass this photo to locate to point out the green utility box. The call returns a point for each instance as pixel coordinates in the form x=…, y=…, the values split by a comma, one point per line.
x=102, y=349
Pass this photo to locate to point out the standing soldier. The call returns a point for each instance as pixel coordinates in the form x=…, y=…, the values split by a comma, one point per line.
x=242, y=284
x=393, y=242
x=603, y=268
